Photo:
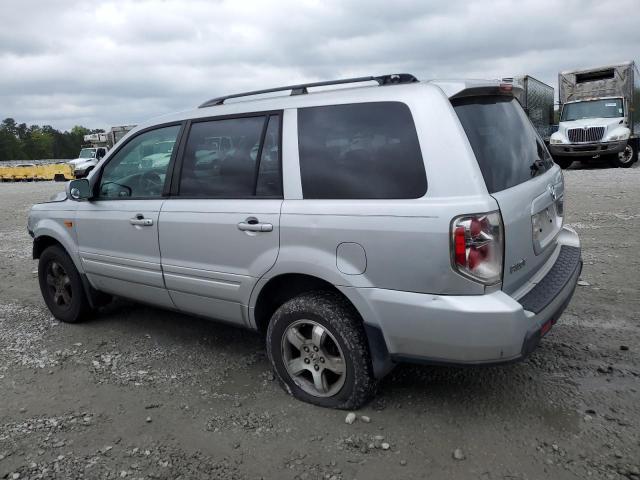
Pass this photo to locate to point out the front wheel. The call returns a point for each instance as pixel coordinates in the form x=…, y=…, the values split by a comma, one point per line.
x=61, y=285
x=318, y=349
x=625, y=158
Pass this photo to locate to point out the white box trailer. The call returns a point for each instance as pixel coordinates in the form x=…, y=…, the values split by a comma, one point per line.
x=598, y=115
x=116, y=133
x=536, y=98
x=96, y=139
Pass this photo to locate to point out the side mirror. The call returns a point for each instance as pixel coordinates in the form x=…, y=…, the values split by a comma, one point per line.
x=79, y=189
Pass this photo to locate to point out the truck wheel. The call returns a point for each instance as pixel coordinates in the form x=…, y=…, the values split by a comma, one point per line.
x=627, y=157
x=318, y=349
x=61, y=285
x=563, y=162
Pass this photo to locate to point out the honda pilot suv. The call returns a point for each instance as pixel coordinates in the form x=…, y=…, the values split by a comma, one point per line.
x=355, y=228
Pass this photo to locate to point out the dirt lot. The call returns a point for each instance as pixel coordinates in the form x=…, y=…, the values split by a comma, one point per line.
x=143, y=393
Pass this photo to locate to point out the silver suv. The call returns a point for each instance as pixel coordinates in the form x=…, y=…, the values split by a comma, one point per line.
x=355, y=228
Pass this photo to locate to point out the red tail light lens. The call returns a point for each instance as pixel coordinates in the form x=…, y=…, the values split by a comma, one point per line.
x=460, y=245
x=477, y=246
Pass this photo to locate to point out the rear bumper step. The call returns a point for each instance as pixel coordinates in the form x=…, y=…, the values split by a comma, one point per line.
x=554, y=282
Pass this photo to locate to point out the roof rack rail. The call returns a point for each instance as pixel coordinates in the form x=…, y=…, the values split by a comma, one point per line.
x=301, y=89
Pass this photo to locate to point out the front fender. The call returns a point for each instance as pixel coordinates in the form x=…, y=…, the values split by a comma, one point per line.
x=54, y=228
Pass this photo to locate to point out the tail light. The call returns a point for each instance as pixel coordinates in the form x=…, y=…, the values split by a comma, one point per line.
x=477, y=244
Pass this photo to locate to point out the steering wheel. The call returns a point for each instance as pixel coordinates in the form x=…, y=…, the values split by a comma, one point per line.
x=150, y=182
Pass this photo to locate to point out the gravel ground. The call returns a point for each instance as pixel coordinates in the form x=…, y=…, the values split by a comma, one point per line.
x=143, y=393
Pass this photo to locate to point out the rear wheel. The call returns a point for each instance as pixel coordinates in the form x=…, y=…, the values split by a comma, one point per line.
x=563, y=162
x=61, y=285
x=626, y=158
x=318, y=349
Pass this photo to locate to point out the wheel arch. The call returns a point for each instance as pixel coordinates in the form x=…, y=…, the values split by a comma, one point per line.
x=49, y=232
x=44, y=241
x=41, y=243
x=273, y=292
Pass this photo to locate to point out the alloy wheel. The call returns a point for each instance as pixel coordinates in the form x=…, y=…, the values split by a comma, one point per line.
x=313, y=358
x=59, y=285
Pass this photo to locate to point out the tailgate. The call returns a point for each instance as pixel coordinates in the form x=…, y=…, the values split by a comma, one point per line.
x=520, y=174
x=532, y=219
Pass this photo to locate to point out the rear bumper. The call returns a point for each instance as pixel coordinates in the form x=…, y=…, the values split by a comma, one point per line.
x=587, y=149
x=477, y=329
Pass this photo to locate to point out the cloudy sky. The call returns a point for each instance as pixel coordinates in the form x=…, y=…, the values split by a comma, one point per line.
x=103, y=63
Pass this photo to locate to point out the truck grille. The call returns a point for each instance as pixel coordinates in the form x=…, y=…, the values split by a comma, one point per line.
x=581, y=135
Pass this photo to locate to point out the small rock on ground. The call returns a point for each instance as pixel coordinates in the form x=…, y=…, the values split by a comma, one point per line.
x=458, y=454
x=350, y=418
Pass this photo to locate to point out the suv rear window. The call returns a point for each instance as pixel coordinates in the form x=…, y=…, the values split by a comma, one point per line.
x=507, y=147
x=361, y=150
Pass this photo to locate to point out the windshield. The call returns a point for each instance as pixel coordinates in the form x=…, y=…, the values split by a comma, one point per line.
x=507, y=147
x=87, y=153
x=609, y=108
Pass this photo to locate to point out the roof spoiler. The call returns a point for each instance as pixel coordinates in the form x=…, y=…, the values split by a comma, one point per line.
x=505, y=87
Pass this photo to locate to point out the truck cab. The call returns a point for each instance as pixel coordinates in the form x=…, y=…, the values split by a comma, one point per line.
x=597, y=117
x=87, y=159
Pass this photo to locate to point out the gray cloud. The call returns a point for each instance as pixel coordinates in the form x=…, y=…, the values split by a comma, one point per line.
x=105, y=63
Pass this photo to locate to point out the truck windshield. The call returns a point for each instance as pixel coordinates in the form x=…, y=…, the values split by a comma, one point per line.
x=606, y=108
x=87, y=153
x=507, y=147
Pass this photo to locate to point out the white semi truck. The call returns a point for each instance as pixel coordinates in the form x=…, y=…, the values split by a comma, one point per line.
x=598, y=115
x=94, y=149
x=97, y=146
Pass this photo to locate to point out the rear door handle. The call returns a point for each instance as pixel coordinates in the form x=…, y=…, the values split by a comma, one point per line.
x=252, y=225
x=141, y=221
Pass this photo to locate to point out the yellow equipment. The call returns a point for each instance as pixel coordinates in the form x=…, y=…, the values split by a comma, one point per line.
x=31, y=172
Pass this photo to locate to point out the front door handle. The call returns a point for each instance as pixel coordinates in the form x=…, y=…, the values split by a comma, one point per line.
x=252, y=224
x=141, y=221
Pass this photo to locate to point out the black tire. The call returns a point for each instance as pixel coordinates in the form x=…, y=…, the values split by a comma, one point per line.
x=333, y=313
x=563, y=162
x=626, y=158
x=67, y=299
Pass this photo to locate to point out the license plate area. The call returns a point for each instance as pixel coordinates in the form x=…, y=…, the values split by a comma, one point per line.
x=546, y=223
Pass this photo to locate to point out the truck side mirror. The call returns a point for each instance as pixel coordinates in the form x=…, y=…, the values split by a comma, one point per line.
x=79, y=189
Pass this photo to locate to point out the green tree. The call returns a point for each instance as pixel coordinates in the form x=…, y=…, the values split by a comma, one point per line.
x=10, y=145
x=38, y=144
x=18, y=141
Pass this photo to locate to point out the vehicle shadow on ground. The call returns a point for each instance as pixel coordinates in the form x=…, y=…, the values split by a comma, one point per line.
x=508, y=388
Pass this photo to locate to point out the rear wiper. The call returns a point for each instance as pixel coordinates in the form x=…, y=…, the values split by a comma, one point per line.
x=536, y=166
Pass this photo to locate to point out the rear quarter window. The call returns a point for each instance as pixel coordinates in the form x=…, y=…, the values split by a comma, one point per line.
x=360, y=151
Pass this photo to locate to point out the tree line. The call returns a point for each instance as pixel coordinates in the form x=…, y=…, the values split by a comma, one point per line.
x=21, y=142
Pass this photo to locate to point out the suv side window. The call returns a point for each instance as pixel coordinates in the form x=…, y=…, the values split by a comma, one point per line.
x=222, y=158
x=360, y=151
x=139, y=169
